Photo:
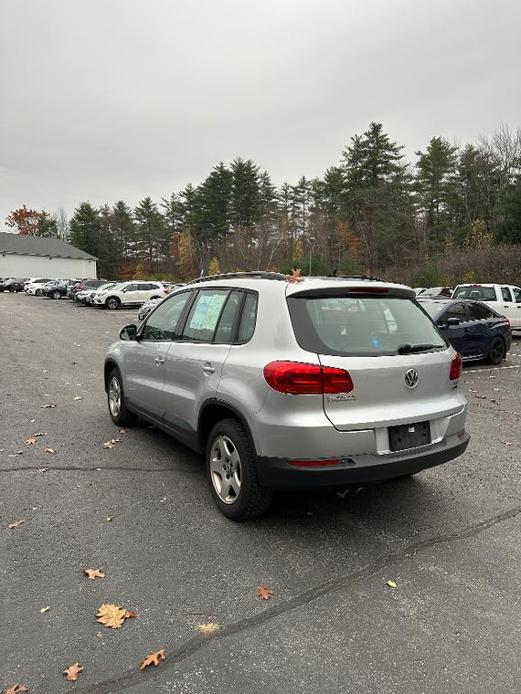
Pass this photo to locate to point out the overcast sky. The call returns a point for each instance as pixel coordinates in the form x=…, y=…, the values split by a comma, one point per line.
x=117, y=99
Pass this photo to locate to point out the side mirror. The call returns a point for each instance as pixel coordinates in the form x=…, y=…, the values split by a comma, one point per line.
x=128, y=332
x=453, y=321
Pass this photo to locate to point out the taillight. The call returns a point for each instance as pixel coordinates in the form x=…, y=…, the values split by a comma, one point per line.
x=456, y=367
x=296, y=378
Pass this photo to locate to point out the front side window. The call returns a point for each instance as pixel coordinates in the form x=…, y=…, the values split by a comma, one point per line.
x=162, y=324
x=362, y=326
x=456, y=310
x=204, y=315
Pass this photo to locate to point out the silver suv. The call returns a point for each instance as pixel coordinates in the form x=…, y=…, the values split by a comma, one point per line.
x=290, y=384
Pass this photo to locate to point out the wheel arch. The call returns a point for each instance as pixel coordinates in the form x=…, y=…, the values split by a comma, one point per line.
x=213, y=411
x=110, y=364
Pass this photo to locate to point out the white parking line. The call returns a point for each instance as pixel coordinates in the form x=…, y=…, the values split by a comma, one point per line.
x=492, y=368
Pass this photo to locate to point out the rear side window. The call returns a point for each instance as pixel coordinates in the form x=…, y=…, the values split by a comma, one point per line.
x=248, y=318
x=479, y=293
x=204, y=315
x=506, y=294
x=226, y=329
x=479, y=312
x=517, y=294
x=361, y=326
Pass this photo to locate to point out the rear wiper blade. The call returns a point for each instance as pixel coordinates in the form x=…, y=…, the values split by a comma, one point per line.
x=411, y=349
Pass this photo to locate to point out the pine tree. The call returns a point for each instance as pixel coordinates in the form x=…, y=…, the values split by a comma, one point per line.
x=124, y=230
x=85, y=228
x=152, y=243
x=246, y=197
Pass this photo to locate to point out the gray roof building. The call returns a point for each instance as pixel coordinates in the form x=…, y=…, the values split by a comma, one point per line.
x=35, y=245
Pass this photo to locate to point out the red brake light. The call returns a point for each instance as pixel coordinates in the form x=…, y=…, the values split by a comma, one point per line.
x=296, y=378
x=456, y=367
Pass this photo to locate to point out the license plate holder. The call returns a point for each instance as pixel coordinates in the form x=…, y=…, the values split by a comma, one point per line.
x=408, y=436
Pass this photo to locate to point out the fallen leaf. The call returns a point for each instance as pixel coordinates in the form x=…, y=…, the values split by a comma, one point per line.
x=295, y=276
x=16, y=524
x=32, y=421
x=16, y=689
x=40, y=433
x=507, y=443
x=30, y=441
x=43, y=469
x=45, y=371
x=111, y=443
x=45, y=407
x=162, y=501
x=19, y=452
x=153, y=659
x=49, y=450
x=130, y=614
x=111, y=616
x=264, y=593
x=122, y=431
x=45, y=609
x=108, y=519
x=209, y=628
x=391, y=584
x=94, y=573
x=78, y=397
x=73, y=672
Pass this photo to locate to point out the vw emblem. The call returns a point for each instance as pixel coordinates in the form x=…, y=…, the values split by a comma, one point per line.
x=411, y=378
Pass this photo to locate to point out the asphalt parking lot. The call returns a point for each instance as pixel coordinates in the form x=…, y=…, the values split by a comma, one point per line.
x=450, y=539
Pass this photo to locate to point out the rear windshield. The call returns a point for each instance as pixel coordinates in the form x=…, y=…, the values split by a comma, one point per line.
x=362, y=326
x=479, y=293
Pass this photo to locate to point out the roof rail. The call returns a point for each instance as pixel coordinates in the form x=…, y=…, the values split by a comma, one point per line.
x=355, y=277
x=256, y=275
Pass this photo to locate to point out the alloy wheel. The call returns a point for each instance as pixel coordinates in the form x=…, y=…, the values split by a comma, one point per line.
x=225, y=469
x=114, y=396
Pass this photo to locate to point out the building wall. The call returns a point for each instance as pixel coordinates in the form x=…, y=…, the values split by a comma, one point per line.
x=12, y=265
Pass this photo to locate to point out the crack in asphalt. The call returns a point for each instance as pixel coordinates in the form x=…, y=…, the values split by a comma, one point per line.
x=196, y=643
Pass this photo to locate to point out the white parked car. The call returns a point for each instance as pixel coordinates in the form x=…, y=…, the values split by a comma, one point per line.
x=34, y=285
x=503, y=298
x=131, y=293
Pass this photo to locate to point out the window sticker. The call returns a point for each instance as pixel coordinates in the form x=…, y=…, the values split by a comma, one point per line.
x=207, y=311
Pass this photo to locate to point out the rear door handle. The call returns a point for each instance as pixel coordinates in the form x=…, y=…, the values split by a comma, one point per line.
x=159, y=360
x=209, y=369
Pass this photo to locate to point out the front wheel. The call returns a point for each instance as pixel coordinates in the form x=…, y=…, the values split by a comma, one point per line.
x=232, y=473
x=112, y=303
x=56, y=295
x=497, y=351
x=38, y=292
x=118, y=411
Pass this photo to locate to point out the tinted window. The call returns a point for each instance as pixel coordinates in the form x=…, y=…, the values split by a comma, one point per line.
x=226, y=328
x=455, y=310
x=506, y=294
x=362, y=326
x=517, y=294
x=479, y=293
x=130, y=288
x=479, y=312
x=204, y=315
x=433, y=308
x=162, y=323
x=248, y=318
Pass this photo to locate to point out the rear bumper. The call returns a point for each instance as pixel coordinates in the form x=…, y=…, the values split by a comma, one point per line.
x=277, y=473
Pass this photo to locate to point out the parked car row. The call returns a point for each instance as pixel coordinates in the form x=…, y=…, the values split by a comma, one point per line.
x=92, y=292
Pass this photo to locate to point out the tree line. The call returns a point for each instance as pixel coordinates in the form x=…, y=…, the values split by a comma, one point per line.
x=371, y=213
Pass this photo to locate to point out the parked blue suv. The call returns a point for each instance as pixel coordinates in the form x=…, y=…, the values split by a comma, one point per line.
x=474, y=329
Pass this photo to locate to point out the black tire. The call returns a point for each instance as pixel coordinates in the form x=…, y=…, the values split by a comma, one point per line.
x=123, y=418
x=497, y=351
x=12, y=290
x=252, y=500
x=55, y=295
x=112, y=303
x=38, y=292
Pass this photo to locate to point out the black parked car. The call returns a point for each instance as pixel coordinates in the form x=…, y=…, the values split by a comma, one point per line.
x=55, y=290
x=474, y=329
x=12, y=284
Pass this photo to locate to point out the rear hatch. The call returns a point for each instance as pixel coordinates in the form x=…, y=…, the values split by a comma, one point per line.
x=398, y=362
